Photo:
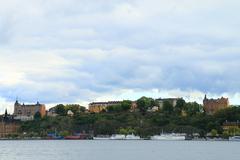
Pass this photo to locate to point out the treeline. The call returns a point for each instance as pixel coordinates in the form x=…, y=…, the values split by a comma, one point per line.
x=62, y=110
x=183, y=118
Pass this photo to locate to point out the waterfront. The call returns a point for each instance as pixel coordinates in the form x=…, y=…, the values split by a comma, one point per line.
x=118, y=150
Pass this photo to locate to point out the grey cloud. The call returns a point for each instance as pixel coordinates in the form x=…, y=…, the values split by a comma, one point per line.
x=75, y=50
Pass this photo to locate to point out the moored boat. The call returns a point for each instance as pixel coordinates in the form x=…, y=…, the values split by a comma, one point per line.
x=132, y=137
x=78, y=137
x=118, y=137
x=169, y=137
x=234, y=138
x=101, y=138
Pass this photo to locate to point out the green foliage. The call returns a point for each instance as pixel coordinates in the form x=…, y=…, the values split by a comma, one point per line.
x=127, y=131
x=37, y=116
x=60, y=110
x=124, y=106
x=75, y=108
x=234, y=131
x=192, y=108
x=145, y=103
x=214, y=132
x=160, y=120
x=179, y=106
x=64, y=133
x=167, y=107
x=225, y=134
x=231, y=114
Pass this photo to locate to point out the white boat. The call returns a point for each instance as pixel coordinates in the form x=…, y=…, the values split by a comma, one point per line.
x=118, y=137
x=169, y=137
x=234, y=138
x=101, y=138
x=132, y=137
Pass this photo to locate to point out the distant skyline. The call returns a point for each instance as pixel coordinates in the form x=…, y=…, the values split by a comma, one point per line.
x=78, y=51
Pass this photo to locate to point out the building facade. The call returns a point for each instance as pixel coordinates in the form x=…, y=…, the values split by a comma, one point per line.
x=52, y=112
x=230, y=125
x=97, y=107
x=211, y=106
x=8, y=128
x=26, y=112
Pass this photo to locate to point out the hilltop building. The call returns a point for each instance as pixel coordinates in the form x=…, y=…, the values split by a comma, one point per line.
x=97, y=107
x=211, y=106
x=52, y=112
x=26, y=112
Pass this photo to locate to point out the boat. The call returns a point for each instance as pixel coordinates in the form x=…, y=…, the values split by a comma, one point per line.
x=101, y=138
x=234, y=138
x=132, y=137
x=54, y=136
x=169, y=137
x=118, y=137
x=78, y=137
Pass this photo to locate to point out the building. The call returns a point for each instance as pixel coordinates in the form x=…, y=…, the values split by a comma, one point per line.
x=8, y=126
x=52, y=112
x=230, y=125
x=97, y=107
x=26, y=112
x=134, y=107
x=153, y=109
x=211, y=106
x=172, y=101
x=232, y=128
x=70, y=113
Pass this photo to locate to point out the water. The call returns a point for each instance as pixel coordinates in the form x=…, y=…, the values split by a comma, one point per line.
x=119, y=150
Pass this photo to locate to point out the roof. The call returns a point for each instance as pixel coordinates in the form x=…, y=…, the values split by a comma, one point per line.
x=109, y=102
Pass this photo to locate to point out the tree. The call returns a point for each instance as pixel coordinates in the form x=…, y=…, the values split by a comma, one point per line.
x=127, y=131
x=179, y=106
x=75, y=108
x=126, y=105
x=214, y=125
x=214, y=132
x=60, y=110
x=37, y=116
x=145, y=103
x=192, y=108
x=110, y=108
x=82, y=109
x=167, y=107
x=225, y=135
x=64, y=133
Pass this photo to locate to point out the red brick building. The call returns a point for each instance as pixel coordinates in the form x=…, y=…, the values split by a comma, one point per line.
x=211, y=106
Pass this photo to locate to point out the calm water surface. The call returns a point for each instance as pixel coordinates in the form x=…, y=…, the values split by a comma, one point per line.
x=119, y=150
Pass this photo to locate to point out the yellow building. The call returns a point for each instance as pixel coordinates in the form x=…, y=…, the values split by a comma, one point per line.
x=97, y=107
x=26, y=112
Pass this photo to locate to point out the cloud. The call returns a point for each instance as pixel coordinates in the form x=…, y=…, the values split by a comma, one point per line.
x=79, y=51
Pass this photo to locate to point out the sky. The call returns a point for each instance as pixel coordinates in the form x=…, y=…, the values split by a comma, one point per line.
x=79, y=51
